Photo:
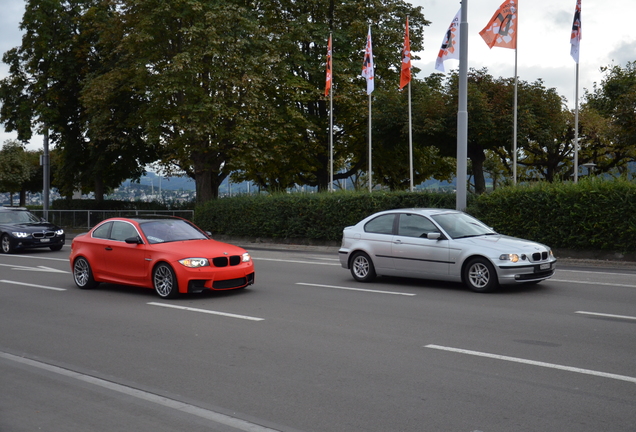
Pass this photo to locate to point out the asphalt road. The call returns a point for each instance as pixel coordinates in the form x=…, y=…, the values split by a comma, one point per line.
x=309, y=349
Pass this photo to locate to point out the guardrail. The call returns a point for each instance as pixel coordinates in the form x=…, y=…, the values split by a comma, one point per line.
x=86, y=219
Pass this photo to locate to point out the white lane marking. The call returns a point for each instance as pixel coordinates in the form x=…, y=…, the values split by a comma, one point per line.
x=36, y=269
x=33, y=285
x=140, y=394
x=593, y=283
x=36, y=257
x=356, y=289
x=189, y=309
x=607, y=315
x=536, y=363
x=296, y=261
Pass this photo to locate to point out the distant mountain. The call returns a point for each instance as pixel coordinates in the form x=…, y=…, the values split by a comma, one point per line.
x=166, y=183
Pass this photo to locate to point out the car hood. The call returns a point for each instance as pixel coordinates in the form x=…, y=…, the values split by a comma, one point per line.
x=504, y=244
x=33, y=227
x=198, y=248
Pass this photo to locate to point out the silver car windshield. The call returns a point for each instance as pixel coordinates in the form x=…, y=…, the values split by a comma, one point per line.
x=461, y=225
x=168, y=230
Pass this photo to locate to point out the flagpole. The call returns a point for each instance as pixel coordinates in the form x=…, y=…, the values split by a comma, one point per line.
x=331, y=122
x=410, y=138
x=514, y=139
x=370, y=172
x=462, y=111
x=576, y=126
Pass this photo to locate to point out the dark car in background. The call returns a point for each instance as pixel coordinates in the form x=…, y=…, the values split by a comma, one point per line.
x=21, y=229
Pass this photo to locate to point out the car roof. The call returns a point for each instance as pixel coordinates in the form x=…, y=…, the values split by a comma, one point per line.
x=422, y=211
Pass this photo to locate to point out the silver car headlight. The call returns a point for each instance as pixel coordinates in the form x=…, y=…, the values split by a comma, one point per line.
x=509, y=257
x=194, y=262
x=20, y=234
x=246, y=257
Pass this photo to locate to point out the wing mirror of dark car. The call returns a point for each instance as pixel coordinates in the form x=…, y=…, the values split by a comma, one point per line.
x=433, y=235
x=134, y=240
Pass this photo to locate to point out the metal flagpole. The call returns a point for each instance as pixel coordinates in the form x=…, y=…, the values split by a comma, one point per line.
x=410, y=138
x=576, y=126
x=370, y=172
x=462, y=111
x=331, y=122
x=514, y=138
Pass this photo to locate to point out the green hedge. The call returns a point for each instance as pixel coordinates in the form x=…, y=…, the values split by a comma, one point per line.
x=593, y=214
x=304, y=216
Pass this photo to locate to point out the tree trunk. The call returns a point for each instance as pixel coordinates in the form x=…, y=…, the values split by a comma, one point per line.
x=478, y=157
x=99, y=188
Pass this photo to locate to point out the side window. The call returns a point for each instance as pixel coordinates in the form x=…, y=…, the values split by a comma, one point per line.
x=415, y=226
x=381, y=225
x=103, y=231
x=122, y=230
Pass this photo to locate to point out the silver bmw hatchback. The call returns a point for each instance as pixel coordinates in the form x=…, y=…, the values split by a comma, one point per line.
x=441, y=244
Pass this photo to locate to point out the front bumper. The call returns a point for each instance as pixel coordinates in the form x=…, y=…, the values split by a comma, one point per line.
x=526, y=272
x=32, y=243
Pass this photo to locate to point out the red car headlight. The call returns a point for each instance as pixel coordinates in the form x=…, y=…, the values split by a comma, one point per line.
x=194, y=262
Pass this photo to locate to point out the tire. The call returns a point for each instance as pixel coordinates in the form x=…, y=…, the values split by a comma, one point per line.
x=56, y=248
x=5, y=244
x=164, y=281
x=480, y=276
x=362, y=268
x=83, y=275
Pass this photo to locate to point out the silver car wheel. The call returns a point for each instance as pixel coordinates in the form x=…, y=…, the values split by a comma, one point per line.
x=362, y=268
x=480, y=276
x=82, y=274
x=164, y=281
x=6, y=244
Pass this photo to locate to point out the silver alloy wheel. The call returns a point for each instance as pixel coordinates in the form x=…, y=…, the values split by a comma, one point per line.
x=361, y=266
x=479, y=275
x=164, y=281
x=6, y=244
x=81, y=272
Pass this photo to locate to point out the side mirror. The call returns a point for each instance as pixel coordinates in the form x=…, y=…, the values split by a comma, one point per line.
x=134, y=240
x=433, y=235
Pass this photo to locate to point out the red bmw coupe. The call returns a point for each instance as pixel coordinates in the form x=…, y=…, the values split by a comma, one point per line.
x=168, y=254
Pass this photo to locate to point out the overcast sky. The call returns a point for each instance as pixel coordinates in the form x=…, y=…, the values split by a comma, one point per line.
x=543, y=43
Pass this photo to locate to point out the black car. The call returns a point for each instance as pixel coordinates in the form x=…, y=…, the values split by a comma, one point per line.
x=20, y=229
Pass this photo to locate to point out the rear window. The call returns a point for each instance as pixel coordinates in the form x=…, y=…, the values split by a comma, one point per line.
x=380, y=225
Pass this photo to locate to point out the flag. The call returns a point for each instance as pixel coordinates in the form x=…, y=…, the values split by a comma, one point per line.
x=450, y=44
x=328, y=68
x=575, y=37
x=405, y=75
x=501, y=31
x=367, y=65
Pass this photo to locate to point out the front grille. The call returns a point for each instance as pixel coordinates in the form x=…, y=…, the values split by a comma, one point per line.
x=230, y=283
x=224, y=261
x=47, y=234
x=539, y=256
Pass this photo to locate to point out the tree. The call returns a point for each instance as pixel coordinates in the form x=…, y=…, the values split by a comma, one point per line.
x=15, y=169
x=61, y=50
x=614, y=99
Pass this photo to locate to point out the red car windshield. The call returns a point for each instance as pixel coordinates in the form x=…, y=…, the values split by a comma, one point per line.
x=170, y=230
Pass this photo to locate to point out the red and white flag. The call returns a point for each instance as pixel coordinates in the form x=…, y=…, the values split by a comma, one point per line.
x=575, y=37
x=367, y=64
x=328, y=68
x=405, y=75
x=501, y=31
x=450, y=44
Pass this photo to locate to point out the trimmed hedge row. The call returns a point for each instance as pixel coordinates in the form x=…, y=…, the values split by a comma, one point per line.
x=304, y=216
x=593, y=214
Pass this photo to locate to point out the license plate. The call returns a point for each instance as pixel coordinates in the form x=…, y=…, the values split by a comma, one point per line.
x=545, y=266
x=45, y=240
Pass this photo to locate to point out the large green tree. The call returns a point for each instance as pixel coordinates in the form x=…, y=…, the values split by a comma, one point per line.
x=62, y=50
x=15, y=169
